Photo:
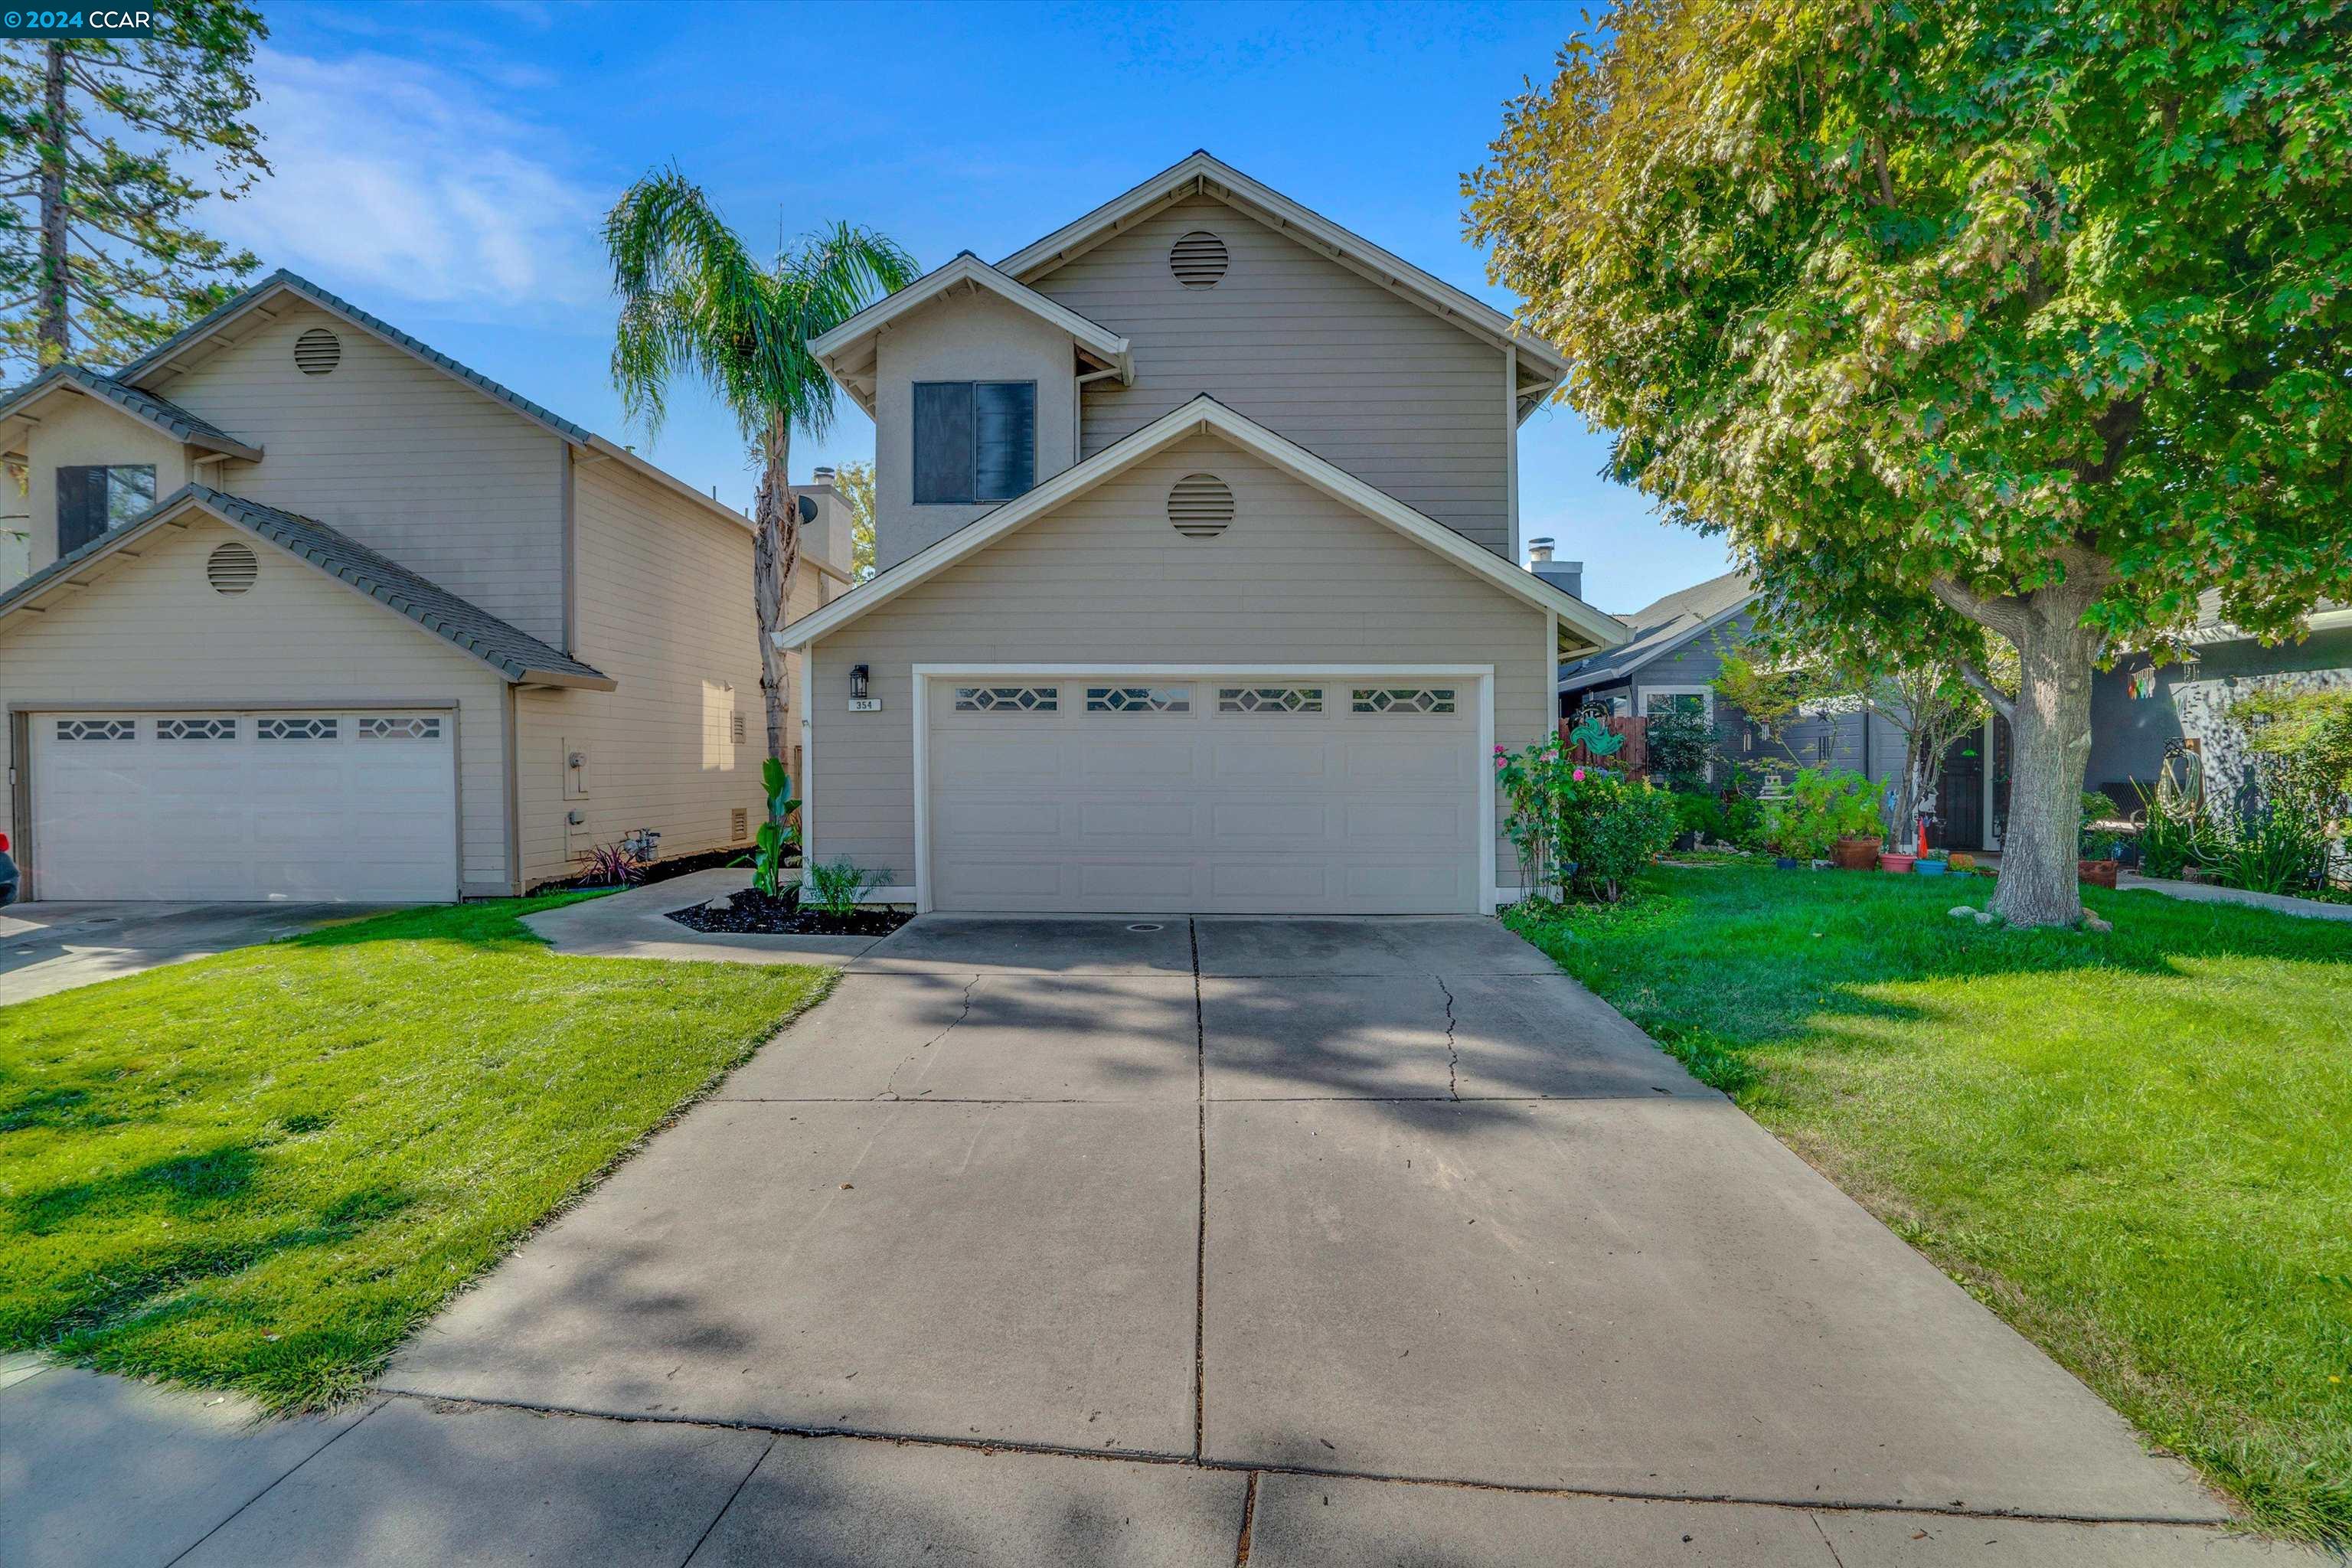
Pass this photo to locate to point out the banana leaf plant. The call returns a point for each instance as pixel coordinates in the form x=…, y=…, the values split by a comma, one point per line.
x=778, y=838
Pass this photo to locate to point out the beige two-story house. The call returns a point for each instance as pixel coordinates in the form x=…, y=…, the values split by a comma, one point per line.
x=316, y=612
x=1198, y=531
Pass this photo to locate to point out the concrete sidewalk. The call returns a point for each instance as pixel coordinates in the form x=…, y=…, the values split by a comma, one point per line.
x=45, y=948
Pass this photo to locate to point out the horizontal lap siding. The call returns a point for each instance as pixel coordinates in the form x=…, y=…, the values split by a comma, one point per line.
x=1297, y=579
x=76, y=430
x=1356, y=374
x=153, y=630
x=664, y=608
x=400, y=455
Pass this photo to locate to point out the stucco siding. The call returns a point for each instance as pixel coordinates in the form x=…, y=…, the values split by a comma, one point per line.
x=398, y=455
x=153, y=631
x=1356, y=374
x=971, y=337
x=1297, y=579
x=2128, y=734
x=77, y=430
x=665, y=608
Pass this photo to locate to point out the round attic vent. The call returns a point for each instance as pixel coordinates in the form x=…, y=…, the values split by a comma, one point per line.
x=317, y=351
x=231, y=568
x=1199, y=259
x=1201, y=506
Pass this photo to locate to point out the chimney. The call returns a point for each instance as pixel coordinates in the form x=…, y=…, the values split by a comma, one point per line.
x=824, y=521
x=1567, y=576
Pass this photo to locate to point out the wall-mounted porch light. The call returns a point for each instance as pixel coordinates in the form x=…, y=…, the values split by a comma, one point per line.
x=858, y=683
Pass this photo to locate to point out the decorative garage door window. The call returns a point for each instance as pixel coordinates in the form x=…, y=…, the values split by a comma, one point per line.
x=195, y=729
x=1269, y=699
x=1000, y=699
x=296, y=729
x=1138, y=700
x=98, y=730
x=1402, y=699
x=419, y=727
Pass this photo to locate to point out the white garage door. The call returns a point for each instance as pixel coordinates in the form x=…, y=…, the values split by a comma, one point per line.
x=1208, y=795
x=314, y=804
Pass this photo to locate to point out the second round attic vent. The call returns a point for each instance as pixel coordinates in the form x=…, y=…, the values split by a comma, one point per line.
x=231, y=568
x=1201, y=506
x=317, y=351
x=1199, y=259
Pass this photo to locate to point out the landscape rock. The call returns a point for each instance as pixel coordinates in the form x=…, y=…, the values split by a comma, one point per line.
x=1962, y=911
x=2092, y=922
x=1986, y=917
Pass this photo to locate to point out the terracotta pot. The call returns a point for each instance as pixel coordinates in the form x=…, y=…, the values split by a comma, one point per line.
x=1900, y=865
x=2098, y=873
x=1855, y=852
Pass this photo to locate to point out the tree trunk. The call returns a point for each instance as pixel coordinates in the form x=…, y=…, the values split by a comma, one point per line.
x=2050, y=731
x=775, y=563
x=55, y=306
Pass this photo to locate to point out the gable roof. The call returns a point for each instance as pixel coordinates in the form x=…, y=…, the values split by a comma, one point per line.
x=158, y=362
x=847, y=351
x=189, y=429
x=508, y=648
x=1203, y=174
x=1658, y=630
x=1203, y=414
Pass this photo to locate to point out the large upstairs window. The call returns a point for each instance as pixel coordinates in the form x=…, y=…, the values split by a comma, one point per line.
x=93, y=499
x=974, y=441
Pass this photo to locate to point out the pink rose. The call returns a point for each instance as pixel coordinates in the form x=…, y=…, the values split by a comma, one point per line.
x=1578, y=775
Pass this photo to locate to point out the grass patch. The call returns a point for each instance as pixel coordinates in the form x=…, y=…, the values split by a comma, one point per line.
x=2134, y=1147
x=260, y=1171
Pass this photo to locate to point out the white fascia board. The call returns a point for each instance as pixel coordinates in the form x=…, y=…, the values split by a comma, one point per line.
x=1101, y=341
x=1204, y=415
x=1434, y=293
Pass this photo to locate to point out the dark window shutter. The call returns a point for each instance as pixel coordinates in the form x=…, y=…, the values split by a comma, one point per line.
x=1004, y=448
x=82, y=506
x=942, y=442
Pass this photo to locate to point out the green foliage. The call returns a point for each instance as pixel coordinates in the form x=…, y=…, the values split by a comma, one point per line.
x=1609, y=827
x=1699, y=813
x=2130, y=1145
x=1681, y=744
x=2174, y=833
x=2277, y=845
x=854, y=483
x=1823, y=805
x=262, y=1170
x=123, y=130
x=839, y=888
x=779, y=836
x=616, y=865
x=2305, y=733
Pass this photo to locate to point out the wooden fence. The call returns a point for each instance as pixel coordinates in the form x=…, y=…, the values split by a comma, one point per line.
x=1633, y=757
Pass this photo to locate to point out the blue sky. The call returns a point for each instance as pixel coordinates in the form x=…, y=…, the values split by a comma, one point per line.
x=445, y=165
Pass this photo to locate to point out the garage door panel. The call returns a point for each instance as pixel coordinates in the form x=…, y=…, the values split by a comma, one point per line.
x=1200, y=809
x=235, y=816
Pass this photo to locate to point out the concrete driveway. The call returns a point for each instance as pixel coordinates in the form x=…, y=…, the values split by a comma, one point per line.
x=49, y=947
x=1340, y=1208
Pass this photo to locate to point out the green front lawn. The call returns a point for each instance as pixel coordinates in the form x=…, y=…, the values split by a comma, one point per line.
x=2136, y=1148
x=260, y=1171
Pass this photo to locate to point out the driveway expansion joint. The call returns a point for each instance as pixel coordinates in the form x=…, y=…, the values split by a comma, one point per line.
x=2218, y=1525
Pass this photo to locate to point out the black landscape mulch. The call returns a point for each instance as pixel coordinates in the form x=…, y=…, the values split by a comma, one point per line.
x=755, y=913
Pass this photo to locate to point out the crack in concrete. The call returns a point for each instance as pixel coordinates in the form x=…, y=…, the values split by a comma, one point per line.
x=890, y=1085
x=1453, y=1052
x=1249, y=1517
x=1821, y=1531
x=1262, y=1466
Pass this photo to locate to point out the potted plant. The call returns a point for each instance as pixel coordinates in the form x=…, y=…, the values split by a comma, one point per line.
x=1855, y=851
x=1824, y=809
x=1934, y=863
x=2095, y=848
x=1895, y=862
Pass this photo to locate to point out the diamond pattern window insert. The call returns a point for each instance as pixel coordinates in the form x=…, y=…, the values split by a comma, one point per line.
x=1138, y=700
x=1269, y=699
x=1001, y=698
x=1400, y=699
x=413, y=727
x=98, y=730
x=296, y=729
x=195, y=729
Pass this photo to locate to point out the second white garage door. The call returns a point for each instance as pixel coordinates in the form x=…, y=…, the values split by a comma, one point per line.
x=293, y=805
x=1204, y=795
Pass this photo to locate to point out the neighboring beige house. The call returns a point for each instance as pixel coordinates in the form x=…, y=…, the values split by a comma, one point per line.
x=1199, y=537
x=315, y=612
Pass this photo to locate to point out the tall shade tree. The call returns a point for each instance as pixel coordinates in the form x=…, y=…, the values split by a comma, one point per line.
x=695, y=303
x=99, y=139
x=1969, y=317
x=855, y=485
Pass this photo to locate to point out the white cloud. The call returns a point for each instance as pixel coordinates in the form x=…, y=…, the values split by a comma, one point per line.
x=396, y=180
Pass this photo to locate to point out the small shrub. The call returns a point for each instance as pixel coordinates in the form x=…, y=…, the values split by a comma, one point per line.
x=2091, y=843
x=1823, y=805
x=2173, y=834
x=838, y=888
x=2278, y=846
x=1610, y=828
x=612, y=865
x=778, y=838
x=1680, y=743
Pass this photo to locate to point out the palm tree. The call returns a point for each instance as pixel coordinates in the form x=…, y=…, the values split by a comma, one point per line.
x=695, y=303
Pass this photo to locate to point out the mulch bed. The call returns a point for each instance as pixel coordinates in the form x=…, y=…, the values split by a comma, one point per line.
x=755, y=913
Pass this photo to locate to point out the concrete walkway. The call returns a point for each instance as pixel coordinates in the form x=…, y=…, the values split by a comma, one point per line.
x=2209, y=893
x=50, y=947
x=1169, y=1241
x=636, y=924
